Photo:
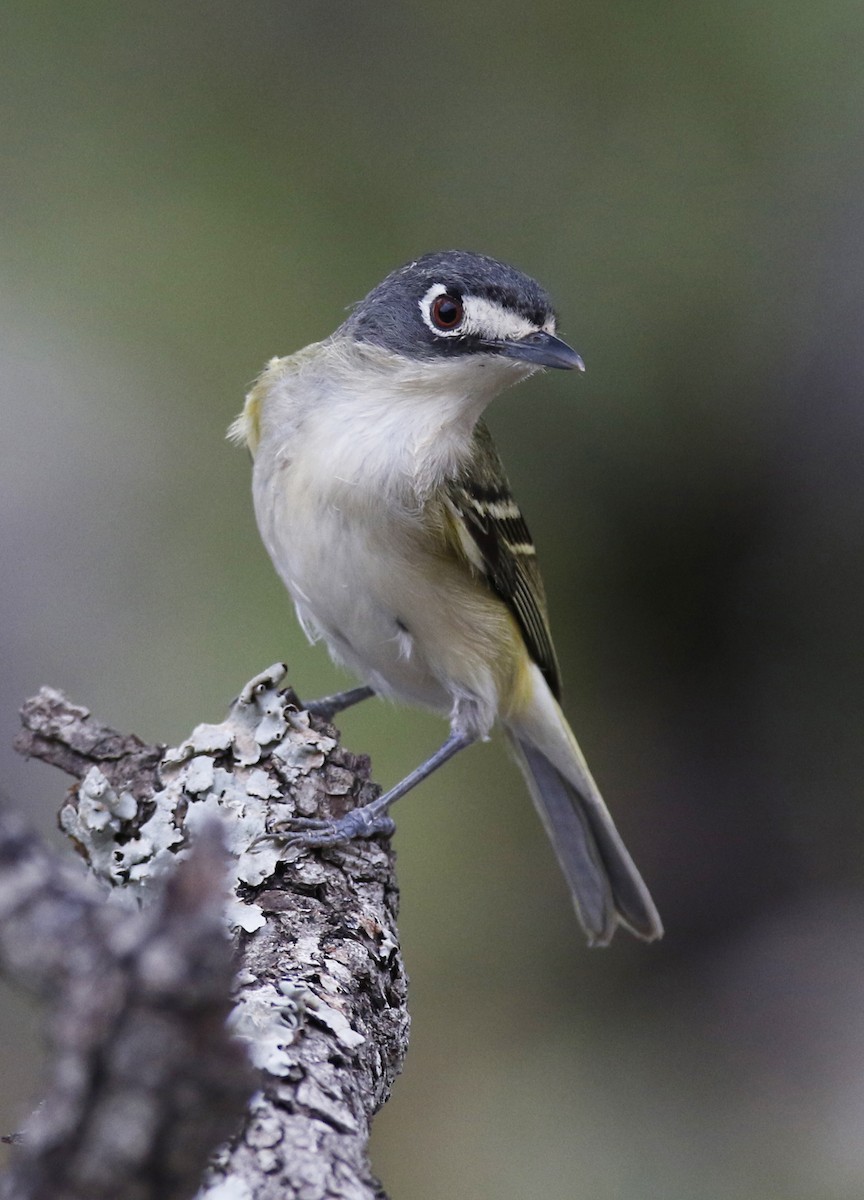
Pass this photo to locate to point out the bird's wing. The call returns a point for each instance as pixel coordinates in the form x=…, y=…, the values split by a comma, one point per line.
x=496, y=542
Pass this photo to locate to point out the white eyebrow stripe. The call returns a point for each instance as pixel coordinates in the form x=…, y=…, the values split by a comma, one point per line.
x=486, y=319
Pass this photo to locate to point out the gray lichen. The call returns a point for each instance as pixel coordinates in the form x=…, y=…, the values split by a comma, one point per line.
x=195, y=788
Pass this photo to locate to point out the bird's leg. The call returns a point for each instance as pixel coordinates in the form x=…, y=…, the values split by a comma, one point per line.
x=328, y=706
x=373, y=818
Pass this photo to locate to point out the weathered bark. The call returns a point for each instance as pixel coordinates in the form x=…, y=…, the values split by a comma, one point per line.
x=319, y=987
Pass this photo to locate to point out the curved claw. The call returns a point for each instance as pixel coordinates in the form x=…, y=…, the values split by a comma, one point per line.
x=358, y=823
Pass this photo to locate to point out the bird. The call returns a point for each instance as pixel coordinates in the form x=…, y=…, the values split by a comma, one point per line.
x=384, y=505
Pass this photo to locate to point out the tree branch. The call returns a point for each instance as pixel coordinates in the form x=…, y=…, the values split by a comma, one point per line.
x=144, y=1078
x=319, y=991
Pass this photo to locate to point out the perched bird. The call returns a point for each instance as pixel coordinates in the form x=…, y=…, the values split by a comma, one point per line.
x=385, y=508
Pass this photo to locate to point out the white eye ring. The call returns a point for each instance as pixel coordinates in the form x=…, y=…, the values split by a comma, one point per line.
x=442, y=312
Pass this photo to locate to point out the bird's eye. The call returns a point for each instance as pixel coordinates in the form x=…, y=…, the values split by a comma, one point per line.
x=447, y=312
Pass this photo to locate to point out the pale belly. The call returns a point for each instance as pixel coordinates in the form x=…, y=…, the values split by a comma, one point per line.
x=407, y=620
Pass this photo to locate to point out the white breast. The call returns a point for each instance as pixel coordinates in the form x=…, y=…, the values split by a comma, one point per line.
x=346, y=462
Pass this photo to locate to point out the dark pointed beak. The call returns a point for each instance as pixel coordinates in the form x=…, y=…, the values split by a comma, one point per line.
x=541, y=349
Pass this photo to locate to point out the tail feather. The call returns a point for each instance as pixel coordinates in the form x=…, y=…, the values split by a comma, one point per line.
x=607, y=888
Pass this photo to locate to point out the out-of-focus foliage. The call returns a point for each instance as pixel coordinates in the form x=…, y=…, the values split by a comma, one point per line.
x=189, y=189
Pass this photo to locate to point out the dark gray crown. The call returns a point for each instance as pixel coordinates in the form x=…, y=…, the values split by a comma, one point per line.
x=390, y=315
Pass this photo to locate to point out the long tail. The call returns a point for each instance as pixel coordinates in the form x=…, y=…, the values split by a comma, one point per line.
x=607, y=889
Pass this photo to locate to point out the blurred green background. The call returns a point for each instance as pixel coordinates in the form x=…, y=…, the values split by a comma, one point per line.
x=188, y=189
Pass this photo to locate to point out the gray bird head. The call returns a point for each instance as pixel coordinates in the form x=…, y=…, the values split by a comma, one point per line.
x=455, y=304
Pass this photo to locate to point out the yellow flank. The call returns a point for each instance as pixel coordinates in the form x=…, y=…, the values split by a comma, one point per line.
x=518, y=694
x=511, y=662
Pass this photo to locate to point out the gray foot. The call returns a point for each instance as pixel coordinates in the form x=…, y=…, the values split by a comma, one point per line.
x=363, y=822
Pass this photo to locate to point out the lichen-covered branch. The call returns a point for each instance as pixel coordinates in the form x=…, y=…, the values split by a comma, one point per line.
x=319, y=994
